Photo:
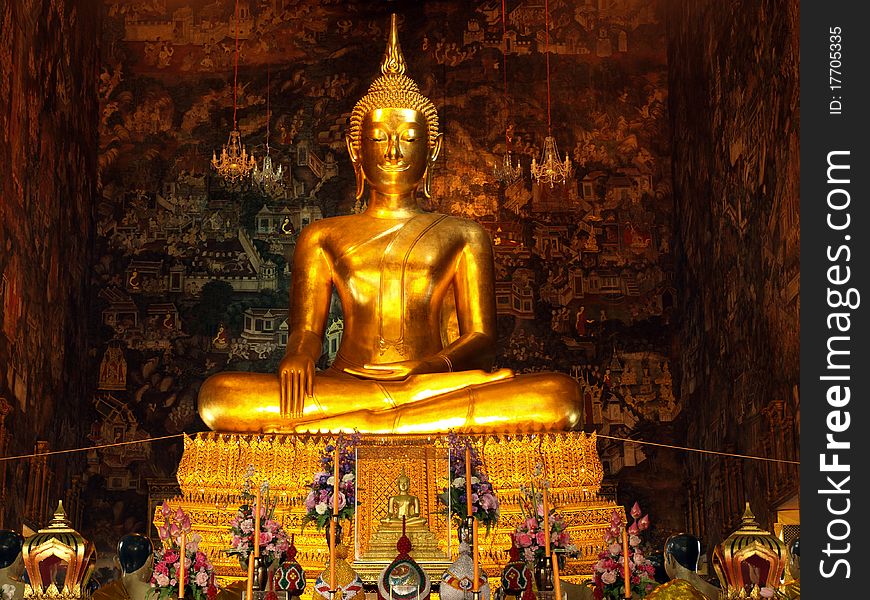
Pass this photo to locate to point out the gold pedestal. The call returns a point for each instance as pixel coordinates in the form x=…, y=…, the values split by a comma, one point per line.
x=211, y=476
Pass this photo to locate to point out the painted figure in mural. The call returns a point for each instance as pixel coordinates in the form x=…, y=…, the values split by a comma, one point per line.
x=682, y=552
x=418, y=295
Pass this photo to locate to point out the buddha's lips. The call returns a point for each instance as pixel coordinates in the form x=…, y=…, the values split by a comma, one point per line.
x=395, y=168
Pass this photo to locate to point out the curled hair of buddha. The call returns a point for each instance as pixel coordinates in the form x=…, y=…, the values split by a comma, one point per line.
x=393, y=89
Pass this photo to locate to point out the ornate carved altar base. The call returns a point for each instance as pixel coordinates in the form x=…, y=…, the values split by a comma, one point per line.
x=211, y=475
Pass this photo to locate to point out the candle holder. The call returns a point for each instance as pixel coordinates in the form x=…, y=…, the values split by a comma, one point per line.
x=544, y=574
x=261, y=574
x=466, y=527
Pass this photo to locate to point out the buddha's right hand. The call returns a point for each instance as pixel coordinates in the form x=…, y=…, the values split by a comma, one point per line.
x=296, y=379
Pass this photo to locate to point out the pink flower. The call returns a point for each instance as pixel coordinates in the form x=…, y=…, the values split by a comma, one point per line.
x=524, y=540
x=167, y=512
x=529, y=554
x=161, y=579
x=635, y=511
x=632, y=529
x=200, y=561
x=311, y=500
x=488, y=502
x=342, y=502
x=615, y=519
x=174, y=530
x=633, y=541
x=564, y=539
x=163, y=532
x=608, y=577
x=531, y=524
x=615, y=549
x=265, y=537
x=247, y=526
x=643, y=523
x=202, y=579
x=540, y=538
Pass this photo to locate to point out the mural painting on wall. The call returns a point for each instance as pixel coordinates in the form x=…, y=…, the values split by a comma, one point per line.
x=193, y=274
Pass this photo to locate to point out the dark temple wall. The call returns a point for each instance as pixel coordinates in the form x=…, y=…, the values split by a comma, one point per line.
x=734, y=111
x=48, y=143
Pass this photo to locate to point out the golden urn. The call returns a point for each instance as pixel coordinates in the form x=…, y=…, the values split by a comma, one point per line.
x=58, y=560
x=749, y=559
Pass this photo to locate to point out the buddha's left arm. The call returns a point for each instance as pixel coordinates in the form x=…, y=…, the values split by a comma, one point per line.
x=474, y=289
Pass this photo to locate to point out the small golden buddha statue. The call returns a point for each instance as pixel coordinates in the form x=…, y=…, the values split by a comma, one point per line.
x=403, y=505
x=418, y=294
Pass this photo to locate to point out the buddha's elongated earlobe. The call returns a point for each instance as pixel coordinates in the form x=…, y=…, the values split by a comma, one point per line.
x=427, y=181
x=357, y=168
x=360, y=182
x=433, y=156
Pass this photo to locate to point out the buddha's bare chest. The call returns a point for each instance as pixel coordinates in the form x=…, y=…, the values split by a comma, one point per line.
x=409, y=259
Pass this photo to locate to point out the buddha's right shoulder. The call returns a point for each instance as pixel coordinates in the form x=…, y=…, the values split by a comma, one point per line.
x=320, y=229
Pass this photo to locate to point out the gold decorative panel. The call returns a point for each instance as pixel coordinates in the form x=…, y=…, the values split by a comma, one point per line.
x=211, y=475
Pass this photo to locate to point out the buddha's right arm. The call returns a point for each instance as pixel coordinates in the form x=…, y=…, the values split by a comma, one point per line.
x=310, y=294
x=309, y=307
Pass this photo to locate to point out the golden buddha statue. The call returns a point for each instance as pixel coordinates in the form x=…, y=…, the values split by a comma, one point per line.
x=403, y=505
x=417, y=291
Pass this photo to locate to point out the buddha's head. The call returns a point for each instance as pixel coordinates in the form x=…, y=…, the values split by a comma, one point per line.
x=393, y=138
x=404, y=482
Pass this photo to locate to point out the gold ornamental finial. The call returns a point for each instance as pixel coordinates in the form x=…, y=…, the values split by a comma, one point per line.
x=394, y=60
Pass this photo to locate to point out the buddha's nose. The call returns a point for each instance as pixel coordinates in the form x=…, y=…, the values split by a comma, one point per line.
x=394, y=153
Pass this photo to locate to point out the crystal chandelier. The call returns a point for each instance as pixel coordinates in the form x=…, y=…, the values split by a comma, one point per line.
x=551, y=169
x=234, y=163
x=505, y=172
x=268, y=178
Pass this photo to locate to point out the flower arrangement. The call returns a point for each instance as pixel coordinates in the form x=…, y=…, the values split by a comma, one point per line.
x=529, y=534
x=319, y=500
x=484, y=503
x=273, y=540
x=608, y=574
x=199, y=581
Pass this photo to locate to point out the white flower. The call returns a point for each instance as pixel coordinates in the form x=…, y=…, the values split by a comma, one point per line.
x=7, y=591
x=331, y=480
x=347, y=477
x=474, y=480
x=321, y=508
x=459, y=482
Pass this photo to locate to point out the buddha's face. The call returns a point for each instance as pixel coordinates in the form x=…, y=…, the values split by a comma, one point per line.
x=404, y=484
x=394, y=149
